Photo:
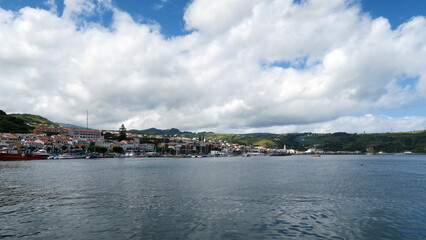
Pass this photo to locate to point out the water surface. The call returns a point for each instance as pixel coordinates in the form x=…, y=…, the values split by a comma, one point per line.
x=331, y=197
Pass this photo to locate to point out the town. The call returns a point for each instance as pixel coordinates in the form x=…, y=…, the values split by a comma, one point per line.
x=60, y=142
x=35, y=136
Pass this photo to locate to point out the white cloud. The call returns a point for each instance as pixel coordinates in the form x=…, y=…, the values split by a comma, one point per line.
x=368, y=123
x=249, y=65
x=74, y=8
x=214, y=17
x=160, y=4
x=52, y=5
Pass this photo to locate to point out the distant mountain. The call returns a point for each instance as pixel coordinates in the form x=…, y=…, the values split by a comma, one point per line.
x=260, y=139
x=11, y=124
x=67, y=125
x=414, y=141
x=33, y=119
x=375, y=142
x=257, y=134
x=155, y=131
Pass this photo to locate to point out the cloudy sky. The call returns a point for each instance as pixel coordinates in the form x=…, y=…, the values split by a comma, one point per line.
x=235, y=66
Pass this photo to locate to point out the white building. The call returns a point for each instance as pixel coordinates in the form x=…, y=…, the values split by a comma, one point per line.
x=89, y=134
x=147, y=147
x=3, y=144
x=102, y=143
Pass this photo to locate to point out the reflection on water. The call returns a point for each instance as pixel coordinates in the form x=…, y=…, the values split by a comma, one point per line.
x=333, y=197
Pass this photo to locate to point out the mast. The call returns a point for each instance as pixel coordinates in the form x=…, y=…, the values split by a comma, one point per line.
x=87, y=120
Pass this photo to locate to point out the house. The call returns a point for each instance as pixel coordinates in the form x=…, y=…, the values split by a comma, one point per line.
x=147, y=147
x=3, y=144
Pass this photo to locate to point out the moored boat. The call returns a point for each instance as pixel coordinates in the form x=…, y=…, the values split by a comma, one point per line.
x=279, y=154
x=8, y=154
x=42, y=153
x=68, y=156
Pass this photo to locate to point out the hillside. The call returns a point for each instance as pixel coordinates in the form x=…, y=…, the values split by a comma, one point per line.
x=155, y=131
x=34, y=119
x=67, y=125
x=376, y=142
x=386, y=142
x=11, y=124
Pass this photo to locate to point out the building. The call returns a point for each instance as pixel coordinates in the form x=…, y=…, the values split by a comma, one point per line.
x=51, y=130
x=3, y=144
x=147, y=147
x=89, y=134
x=102, y=143
x=130, y=144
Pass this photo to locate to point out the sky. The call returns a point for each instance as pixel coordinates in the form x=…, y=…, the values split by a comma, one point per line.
x=230, y=66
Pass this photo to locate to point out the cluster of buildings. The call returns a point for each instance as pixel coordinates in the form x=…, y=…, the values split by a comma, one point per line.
x=65, y=140
x=61, y=140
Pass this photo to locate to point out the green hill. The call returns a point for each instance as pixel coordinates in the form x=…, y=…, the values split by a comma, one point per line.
x=34, y=119
x=386, y=142
x=11, y=124
x=414, y=141
x=376, y=142
x=155, y=131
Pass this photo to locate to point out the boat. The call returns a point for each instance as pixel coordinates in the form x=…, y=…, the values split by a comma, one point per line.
x=316, y=155
x=67, y=156
x=279, y=154
x=9, y=154
x=130, y=154
x=91, y=156
x=42, y=152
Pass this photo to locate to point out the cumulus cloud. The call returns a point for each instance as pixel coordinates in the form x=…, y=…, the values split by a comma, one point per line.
x=368, y=123
x=246, y=65
x=52, y=6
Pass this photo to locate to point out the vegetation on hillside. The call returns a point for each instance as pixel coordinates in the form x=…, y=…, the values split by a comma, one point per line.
x=10, y=124
x=34, y=119
x=385, y=142
x=155, y=131
x=166, y=132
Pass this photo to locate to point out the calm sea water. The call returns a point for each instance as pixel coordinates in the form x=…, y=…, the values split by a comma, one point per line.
x=331, y=197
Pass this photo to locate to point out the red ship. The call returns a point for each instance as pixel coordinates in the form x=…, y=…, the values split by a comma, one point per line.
x=8, y=154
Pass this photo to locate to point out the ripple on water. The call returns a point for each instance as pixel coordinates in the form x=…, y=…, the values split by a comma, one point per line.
x=259, y=198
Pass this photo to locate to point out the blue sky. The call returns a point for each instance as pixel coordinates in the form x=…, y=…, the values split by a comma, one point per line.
x=169, y=13
x=396, y=11
x=224, y=66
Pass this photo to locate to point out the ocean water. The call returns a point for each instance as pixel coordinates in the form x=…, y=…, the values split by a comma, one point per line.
x=294, y=197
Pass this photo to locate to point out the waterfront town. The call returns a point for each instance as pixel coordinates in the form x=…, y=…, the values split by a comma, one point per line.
x=61, y=142
x=70, y=142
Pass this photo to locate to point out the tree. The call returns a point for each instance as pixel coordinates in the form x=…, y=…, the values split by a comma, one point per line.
x=122, y=133
x=64, y=148
x=101, y=149
x=23, y=149
x=117, y=149
x=97, y=149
